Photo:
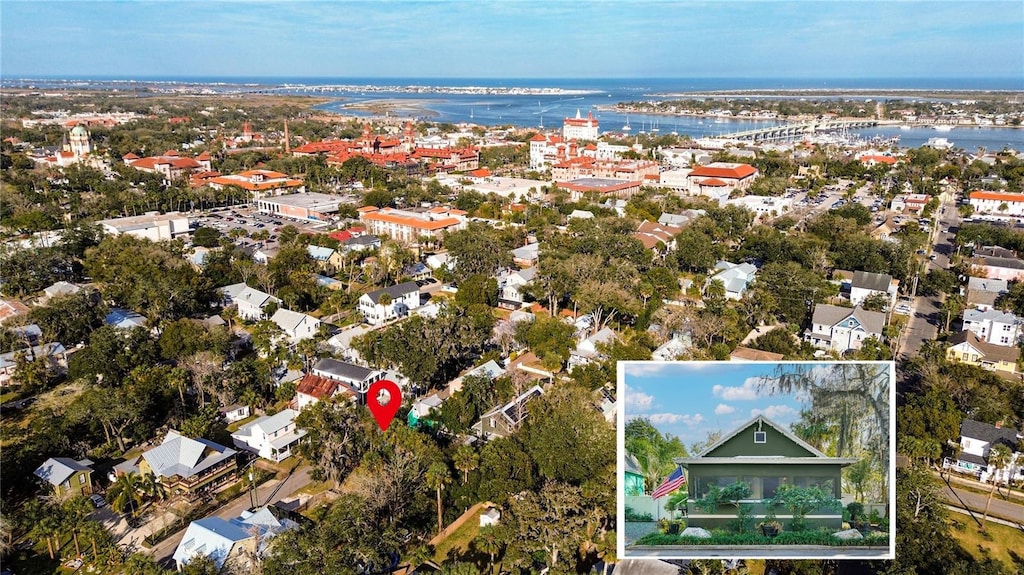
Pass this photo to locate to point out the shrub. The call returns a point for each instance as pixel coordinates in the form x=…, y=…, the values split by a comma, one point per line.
x=856, y=510
x=632, y=515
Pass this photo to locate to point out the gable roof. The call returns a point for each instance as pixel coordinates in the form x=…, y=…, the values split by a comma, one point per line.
x=343, y=370
x=871, y=281
x=830, y=315
x=987, y=285
x=212, y=537
x=57, y=470
x=268, y=424
x=180, y=455
x=989, y=351
x=288, y=320
x=989, y=433
x=254, y=297
x=508, y=411
x=762, y=420
x=395, y=291
x=316, y=386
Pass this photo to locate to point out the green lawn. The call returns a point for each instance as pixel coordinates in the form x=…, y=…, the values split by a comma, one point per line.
x=997, y=544
x=459, y=541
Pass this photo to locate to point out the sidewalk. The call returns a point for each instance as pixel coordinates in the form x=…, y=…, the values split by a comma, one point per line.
x=1014, y=496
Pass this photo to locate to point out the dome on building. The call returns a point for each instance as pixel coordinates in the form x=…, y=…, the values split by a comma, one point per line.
x=79, y=130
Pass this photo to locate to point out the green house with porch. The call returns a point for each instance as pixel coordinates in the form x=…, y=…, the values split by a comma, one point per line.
x=764, y=455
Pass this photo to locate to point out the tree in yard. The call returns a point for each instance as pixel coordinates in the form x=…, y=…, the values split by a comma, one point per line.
x=487, y=542
x=336, y=440
x=125, y=494
x=437, y=477
x=466, y=460
x=44, y=522
x=858, y=475
x=73, y=513
x=999, y=458
x=563, y=421
x=653, y=450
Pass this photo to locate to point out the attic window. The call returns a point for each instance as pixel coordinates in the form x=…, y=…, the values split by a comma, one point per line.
x=760, y=437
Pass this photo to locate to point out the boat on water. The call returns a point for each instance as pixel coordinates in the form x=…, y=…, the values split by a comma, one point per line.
x=626, y=127
x=904, y=126
x=943, y=127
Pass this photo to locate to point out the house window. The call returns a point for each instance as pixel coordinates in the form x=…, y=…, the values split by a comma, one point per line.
x=81, y=479
x=760, y=437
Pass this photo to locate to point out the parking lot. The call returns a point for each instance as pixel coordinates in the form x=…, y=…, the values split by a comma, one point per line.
x=251, y=222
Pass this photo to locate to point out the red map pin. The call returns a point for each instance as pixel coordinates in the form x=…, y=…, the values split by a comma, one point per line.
x=384, y=398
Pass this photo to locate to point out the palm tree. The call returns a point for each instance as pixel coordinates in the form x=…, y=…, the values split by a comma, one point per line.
x=487, y=542
x=73, y=513
x=97, y=535
x=47, y=526
x=466, y=460
x=124, y=493
x=152, y=487
x=437, y=477
x=998, y=459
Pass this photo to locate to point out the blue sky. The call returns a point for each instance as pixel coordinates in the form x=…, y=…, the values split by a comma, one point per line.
x=690, y=399
x=514, y=39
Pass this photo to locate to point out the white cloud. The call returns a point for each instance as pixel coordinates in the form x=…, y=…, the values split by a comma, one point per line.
x=747, y=391
x=636, y=400
x=724, y=409
x=647, y=368
x=673, y=418
x=776, y=412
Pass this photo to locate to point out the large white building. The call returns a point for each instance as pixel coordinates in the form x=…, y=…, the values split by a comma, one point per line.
x=997, y=203
x=152, y=226
x=993, y=326
x=580, y=128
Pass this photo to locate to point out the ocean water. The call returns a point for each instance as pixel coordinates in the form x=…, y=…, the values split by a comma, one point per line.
x=545, y=102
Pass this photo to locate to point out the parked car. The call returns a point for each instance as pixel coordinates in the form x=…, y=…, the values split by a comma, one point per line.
x=97, y=501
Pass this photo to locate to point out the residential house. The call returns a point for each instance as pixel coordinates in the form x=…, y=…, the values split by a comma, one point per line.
x=976, y=442
x=313, y=388
x=69, y=478
x=361, y=243
x=673, y=348
x=734, y=277
x=983, y=292
x=124, y=319
x=867, y=284
x=526, y=256
x=680, y=220
x=353, y=377
x=424, y=406
x=235, y=412
x=634, y=476
x=504, y=420
x=490, y=518
x=587, y=350
x=511, y=285
x=765, y=456
x=965, y=347
x=997, y=263
x=841, y=329
x=270, y=436
x=238, y=541
x=400, y=300
x=440, y=260
x=489, y=369
x=327, y=259
x=188, y=466
x=10, y=309
x=993, y=326
x=651, y=234
x=297, y=326
x=28, y=335
x=61, y=288
x=54, y=354
x=251, y=302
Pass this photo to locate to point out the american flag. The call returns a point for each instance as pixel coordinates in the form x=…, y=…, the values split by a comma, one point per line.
x=674, y=481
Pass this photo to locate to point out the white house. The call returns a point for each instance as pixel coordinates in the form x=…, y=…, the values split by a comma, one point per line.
x=238, y=540
x=250, y=303
x=54, y=354
x=297, y=326
x=526, y=256
x=735, y=278
x=586, y=351
x=993, y=326
x=976, y=442
x=867, y=284
x=841, y=329
x=354, y=377
x=271, y=436
x=401, y=299
x=235, y=412
x=511, y=284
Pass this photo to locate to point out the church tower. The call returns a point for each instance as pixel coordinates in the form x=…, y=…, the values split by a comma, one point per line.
x=78, y=142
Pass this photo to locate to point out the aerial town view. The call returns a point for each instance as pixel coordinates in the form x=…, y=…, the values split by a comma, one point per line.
x=512, y=287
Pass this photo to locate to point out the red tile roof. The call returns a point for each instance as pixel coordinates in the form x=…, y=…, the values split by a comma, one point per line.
x=713, y=182
x=997, y=196
x=737, y=173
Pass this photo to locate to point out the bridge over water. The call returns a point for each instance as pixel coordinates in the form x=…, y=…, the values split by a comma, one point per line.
x=792, y=131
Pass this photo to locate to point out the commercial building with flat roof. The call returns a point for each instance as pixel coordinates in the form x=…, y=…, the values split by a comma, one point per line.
x=152, y=226
x=303, y=206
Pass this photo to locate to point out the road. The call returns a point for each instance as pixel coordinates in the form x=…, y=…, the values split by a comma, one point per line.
x=926, y=316
x=268, y=493
x=977, y=502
